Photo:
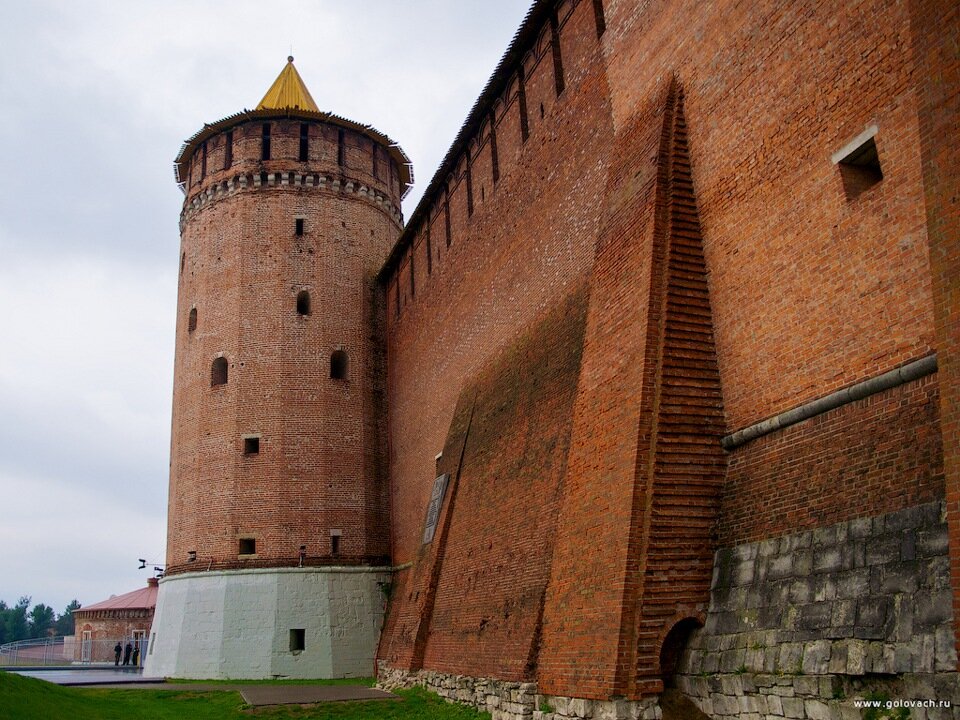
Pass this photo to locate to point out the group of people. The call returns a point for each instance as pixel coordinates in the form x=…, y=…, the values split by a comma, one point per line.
x=128, y=652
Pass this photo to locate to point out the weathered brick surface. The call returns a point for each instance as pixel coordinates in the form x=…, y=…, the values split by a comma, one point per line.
x=527, y=244
x=646, y=455
x=473, y=602
x=877, y=455
x=321, y=461
x=936, y=26
x=810, y=291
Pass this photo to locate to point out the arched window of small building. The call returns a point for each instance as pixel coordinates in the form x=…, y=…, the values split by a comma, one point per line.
x=192, y=321
x=339, y=365
x=218, y=372
x=303, y=303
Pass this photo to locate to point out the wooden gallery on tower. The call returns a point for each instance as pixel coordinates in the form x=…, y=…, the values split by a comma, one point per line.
x=655, y=394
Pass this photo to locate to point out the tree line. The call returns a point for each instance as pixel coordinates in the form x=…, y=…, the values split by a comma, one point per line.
x=21, y=622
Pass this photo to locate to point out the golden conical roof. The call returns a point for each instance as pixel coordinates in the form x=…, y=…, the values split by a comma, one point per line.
x=288, y=91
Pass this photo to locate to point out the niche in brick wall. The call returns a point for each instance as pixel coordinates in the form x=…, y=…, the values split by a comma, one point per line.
x=859, y=164
x=303, y=303
x=218, y=372
x=339, y=365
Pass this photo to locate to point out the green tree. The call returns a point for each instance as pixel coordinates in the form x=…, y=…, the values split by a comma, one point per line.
x=64, y=623
x=16, y=620
x=42, y=618
x=4, y=611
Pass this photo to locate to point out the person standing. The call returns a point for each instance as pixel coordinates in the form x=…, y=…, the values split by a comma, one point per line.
x=136, y=654
x=126, y=654
x=117, y=649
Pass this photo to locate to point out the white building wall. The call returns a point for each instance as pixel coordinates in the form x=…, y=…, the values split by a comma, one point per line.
x=236, y=624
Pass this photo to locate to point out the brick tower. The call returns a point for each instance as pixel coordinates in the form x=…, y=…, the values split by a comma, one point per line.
x=278, y=535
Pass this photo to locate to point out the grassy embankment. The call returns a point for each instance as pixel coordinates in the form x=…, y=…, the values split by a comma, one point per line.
x=24, y=698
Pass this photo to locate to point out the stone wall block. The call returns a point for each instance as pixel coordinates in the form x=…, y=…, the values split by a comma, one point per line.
x=827, y=560
x=854, y=584
x=945, y=649
x=883, y=549
x=792, y=707
x=816, y=657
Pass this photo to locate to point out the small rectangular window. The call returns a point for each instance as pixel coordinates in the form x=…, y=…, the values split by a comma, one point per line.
x=228, y=150
x=304, y=142
x=298, y=640
x=335, y=542
x=341, y=151
x=265, y=142
x=251, y=445
x=859, y=164
x=298, y=226
x=191, y=556
x=248, y=546
x=203, y=161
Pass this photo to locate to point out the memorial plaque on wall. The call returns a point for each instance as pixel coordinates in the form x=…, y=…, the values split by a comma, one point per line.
x=433, y=510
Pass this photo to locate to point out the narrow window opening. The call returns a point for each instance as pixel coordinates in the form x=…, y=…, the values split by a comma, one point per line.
x=494, y=159
x=304, y=142
x=376, y=166
x=557, y=60
x=303, y=303
x=429, y=251
x=338, y=365
x=228, y=150
x=599, y=17
x=446, y=216
x=218, y=372
x=247, y=546
x=469, y=186
x=203, y=161
x=251, y=446
x=413, y=278
x=183, y=262
x=860, y=168
x=265, y=142
x=541, y=111
x=334, y=542
x=340, y=148
x=522, y=97
x=298, y=640
x=192, y=320
x=191, y=556
x=298, y=226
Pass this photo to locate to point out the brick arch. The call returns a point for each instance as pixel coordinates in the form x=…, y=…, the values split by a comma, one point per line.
x=673, y=638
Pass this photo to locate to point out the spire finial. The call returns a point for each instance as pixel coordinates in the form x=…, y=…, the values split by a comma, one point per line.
x=288, y=91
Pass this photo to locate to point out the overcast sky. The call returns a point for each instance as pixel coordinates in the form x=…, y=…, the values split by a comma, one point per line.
x=95, y=101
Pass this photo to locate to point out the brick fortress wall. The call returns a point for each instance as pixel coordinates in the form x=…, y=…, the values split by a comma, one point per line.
x=809, y=287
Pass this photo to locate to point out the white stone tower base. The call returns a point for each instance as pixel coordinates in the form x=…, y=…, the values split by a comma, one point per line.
x=264, y=623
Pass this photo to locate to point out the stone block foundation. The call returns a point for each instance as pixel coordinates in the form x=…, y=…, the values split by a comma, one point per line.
x=506, y=700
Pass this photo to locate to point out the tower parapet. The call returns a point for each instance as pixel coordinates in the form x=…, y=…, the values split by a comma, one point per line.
x=278, y=528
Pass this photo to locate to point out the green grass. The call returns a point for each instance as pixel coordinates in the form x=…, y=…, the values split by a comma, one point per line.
x=29, y=699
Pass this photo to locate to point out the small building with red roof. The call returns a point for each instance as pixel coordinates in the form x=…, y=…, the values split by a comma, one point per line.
x=120, y=619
